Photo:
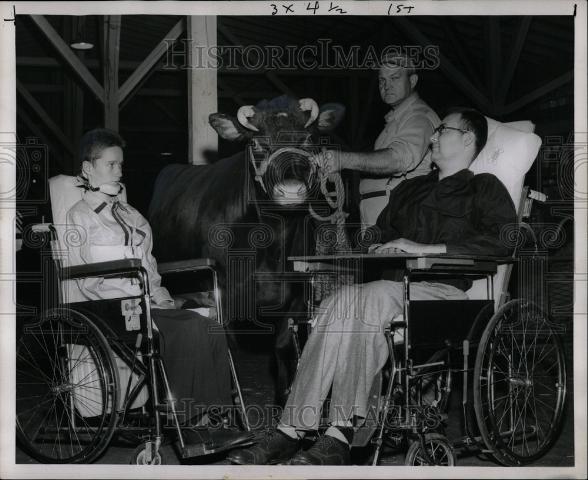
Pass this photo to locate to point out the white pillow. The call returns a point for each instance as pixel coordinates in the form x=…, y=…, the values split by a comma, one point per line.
x=509, y=152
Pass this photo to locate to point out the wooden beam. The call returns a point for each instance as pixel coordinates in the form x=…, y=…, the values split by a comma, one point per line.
x=457, y=45
x=44, y=116
x=70, y=58
x=513, y=59
x=150, y=61
x=111, y=53
x=202, y=89
x=270, y=75
x=539, y=92
x=44, y=88
x=239, y=71
x=448, y=69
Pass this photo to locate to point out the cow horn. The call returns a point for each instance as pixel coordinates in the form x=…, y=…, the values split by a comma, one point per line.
x=309, y=104
x=243, y=115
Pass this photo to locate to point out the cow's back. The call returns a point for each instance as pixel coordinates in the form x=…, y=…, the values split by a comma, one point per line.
x=188, y=200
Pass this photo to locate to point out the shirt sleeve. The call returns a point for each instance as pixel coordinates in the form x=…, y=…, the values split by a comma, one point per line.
x=493, y=217
x=408, y=147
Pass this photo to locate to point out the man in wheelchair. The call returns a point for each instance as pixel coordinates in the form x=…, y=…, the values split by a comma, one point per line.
x=450, y=210
x=195, y=356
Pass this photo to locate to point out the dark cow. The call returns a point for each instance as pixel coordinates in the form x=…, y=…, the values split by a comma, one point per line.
x=250, y=212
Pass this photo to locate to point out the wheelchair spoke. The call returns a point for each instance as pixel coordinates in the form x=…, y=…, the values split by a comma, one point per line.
x=87, y=359
x=56, y=343
x=66, y=389
x=35, y=408
x=519, y=384
x=71, y=430
x=33, y=364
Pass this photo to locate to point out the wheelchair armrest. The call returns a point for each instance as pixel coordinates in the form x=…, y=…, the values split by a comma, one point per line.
x=42, y=227
x=460, y=264
x=192, y=265
x=102, y=269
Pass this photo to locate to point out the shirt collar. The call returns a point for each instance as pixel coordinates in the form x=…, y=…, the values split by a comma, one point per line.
x=463, y=176
x=403, y=107
x=95, y=199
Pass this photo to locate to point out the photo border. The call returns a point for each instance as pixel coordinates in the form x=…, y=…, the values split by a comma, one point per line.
x=8, y=469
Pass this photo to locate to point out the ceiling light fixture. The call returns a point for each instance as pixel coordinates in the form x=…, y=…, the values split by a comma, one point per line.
x=81, y=41
x=79, y=44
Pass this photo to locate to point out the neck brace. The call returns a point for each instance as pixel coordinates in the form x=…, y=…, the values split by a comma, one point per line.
x=112, y=189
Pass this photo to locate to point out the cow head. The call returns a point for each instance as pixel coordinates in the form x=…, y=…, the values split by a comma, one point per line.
x=281, y=136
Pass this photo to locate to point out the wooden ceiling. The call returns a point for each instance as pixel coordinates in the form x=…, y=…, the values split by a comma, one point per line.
x=510, y=67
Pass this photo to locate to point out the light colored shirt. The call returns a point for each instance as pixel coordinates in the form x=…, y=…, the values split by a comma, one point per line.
x=108, y=229
x=406, y=134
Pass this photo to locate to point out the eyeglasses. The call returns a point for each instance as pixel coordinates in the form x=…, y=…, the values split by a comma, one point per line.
x=441, y=128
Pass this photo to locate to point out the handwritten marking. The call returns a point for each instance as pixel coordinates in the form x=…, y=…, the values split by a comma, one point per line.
x=337, y=8
x=400, y=7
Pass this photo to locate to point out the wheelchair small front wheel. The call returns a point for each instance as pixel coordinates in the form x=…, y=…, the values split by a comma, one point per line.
x=145, y=454
x=438, y=451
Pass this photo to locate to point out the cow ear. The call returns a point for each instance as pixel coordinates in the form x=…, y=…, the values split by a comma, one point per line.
x=227, y=127
x=330, y=116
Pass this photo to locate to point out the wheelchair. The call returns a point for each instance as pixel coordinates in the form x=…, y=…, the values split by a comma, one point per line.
x=86, y=371
x=506, y=353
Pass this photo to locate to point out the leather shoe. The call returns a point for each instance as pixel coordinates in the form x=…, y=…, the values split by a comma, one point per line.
x=273, y=447
x=326, y=450
x=202, y=441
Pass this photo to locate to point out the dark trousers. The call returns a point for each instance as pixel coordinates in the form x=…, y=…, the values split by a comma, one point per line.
x=195, y=354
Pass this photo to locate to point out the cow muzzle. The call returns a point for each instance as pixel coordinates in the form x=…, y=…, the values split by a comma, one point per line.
x=288, y=176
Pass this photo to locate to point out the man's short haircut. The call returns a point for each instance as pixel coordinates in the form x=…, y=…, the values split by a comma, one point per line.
x=398, y=59
x=94, y=142
x=476, y=123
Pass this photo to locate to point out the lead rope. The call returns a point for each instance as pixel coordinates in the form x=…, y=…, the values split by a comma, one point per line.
x=325, y=283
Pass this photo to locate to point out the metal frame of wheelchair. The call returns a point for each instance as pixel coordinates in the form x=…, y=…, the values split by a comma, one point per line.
x=63, y=417
x=511, y=362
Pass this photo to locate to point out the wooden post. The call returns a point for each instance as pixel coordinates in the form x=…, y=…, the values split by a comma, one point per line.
x=111, y=60
x=202, y=88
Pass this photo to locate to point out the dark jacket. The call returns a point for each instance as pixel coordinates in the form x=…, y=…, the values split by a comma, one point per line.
x=466, y=212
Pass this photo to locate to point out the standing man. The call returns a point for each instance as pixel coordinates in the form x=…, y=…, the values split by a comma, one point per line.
x=401, y=150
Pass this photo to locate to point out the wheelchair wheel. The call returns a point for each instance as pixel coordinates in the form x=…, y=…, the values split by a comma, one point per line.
x=145, y=454
x=519, y=384
x=66, y=389
x=439, y=452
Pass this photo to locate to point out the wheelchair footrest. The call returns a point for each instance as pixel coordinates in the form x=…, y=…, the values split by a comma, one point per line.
x=200, y=441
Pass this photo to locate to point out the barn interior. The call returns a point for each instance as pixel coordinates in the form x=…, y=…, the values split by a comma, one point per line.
x=134, y=78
